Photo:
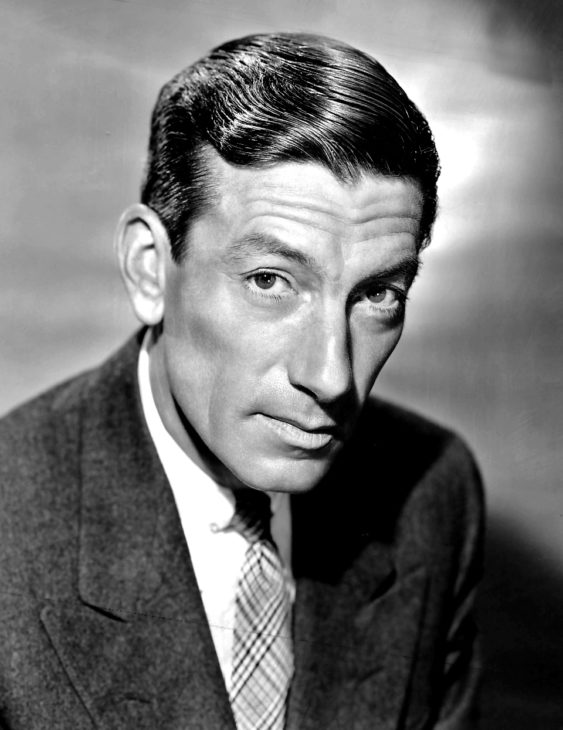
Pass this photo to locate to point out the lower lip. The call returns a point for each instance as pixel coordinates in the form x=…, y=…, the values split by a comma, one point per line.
x=294, y=436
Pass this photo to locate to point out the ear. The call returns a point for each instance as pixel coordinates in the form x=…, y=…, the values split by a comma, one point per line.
x=142, y=247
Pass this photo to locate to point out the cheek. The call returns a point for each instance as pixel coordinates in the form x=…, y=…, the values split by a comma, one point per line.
x=218, y=356
x=370, y=353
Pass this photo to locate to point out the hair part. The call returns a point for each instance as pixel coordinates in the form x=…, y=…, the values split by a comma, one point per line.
x=266, y=99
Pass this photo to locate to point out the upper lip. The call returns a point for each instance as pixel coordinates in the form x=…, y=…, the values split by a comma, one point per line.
x=309, y=426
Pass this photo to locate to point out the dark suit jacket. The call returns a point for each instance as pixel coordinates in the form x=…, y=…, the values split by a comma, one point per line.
x=101, y=622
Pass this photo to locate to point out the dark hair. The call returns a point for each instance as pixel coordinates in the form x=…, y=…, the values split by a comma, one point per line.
x=265, y=99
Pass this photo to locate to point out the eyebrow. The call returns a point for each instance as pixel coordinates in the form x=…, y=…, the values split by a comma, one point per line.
x=407, y=268
x=263, y=243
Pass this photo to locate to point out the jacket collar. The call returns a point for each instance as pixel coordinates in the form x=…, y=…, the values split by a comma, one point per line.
x=138, y=649
x=129, y=530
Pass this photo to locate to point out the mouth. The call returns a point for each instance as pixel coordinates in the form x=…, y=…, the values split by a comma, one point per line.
x=312, y=438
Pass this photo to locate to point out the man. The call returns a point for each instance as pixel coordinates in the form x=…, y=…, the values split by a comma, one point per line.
x=147, y=581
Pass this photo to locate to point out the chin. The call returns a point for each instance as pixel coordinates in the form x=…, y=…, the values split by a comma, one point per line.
x=295, y=477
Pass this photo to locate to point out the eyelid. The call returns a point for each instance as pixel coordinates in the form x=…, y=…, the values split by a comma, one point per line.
x=399, y=300
x=360, y=292
x=267, y=294
x=393, y=313
x=401, y=293
x=272, y=272
x=379, y=282
x=266, y=270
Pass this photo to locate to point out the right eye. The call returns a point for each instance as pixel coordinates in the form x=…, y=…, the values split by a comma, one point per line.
x=268, y=285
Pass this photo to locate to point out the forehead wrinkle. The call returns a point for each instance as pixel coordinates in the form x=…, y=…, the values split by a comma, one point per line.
x=327, y=219
x=384, y=210
x=311, y=213
x=393, y=226
x=384, y=195
x=313, y=188
x=323, y=215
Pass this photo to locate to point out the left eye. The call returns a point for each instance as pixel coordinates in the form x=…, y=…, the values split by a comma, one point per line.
x=265, y=280
x=383, y=296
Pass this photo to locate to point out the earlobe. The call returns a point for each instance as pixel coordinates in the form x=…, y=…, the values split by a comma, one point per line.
x=142, y=245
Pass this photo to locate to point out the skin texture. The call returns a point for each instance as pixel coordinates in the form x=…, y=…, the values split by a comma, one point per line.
x=279, y=319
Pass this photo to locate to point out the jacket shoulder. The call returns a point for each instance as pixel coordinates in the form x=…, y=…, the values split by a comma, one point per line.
x=383, y=416
x=40, y=471
x=411, y=443
x=403, y=468
x=29, y=430
x=433, y=483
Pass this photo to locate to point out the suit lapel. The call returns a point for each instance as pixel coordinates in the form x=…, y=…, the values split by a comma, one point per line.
x=137, y=648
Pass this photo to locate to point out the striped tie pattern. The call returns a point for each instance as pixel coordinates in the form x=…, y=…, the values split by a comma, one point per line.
x=262, y=647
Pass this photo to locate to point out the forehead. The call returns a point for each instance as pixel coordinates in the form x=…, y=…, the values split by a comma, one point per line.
x=292, y=196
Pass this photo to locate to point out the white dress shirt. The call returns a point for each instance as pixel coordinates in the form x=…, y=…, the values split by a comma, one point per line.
x=205, y=508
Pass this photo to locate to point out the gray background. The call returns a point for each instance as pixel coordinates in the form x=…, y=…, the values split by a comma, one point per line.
x=78, y=80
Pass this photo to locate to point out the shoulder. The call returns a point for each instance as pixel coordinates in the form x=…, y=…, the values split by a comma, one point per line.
x=31, y=429
x=405, y=473
x=408, y=447
x=403, y=483
x=32, y=433
x=40, y=466
x=397, y=427
x=430, y=495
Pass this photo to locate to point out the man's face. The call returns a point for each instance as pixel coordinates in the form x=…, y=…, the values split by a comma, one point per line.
x=286, y=307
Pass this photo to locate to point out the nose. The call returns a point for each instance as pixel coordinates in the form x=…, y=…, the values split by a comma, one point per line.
x=321, y=363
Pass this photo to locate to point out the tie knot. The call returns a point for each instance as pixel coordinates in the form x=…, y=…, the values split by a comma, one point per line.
x=252, y=515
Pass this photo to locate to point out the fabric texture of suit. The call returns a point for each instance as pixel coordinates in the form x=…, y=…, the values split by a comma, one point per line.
x=101, y=622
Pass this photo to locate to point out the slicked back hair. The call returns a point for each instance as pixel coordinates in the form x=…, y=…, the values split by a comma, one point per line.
x=266, y=99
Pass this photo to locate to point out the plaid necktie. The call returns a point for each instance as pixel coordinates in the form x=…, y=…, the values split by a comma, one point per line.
x=262, y=647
